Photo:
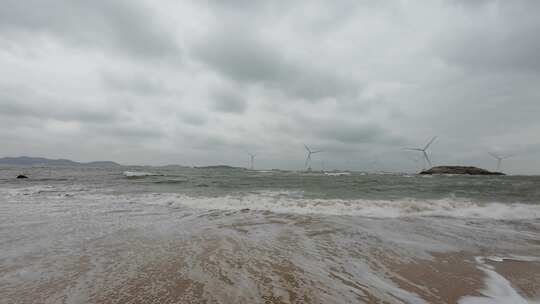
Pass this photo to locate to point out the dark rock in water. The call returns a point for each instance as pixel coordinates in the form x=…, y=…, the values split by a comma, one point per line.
x=245, y=210
x=459, y=170
x=22, y=176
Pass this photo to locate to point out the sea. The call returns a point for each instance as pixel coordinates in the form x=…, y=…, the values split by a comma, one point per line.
x=230, y=235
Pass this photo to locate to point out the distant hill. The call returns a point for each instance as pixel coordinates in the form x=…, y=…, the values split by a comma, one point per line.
x=220, y=167
x=40, y=161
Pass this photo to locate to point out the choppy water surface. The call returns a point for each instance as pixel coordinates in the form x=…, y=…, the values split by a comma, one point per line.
x=183, y=235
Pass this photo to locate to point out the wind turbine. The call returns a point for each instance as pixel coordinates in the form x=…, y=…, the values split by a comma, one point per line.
x=499, y=159
x=424, y=150
x=308, y=158
x=251, y=160
x=374, y=165
x=415, y=160
x=322, y=165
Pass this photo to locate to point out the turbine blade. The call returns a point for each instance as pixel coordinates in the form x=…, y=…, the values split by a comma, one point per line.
x=430, y=142
x=313, y=152
x=493, y=155
x=413, y=149
x=307, y=148
x=427, y=158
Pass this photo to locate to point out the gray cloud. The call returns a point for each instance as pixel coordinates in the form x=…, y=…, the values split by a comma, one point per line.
x=244, y=57
x=117, y=24
x=352, y=134
x=127, y=131
x=228, y=101
x=192, y=119
x=344, y=131
x=136, y=84
x=201, y=82
x=45, y=108
x=507, y=39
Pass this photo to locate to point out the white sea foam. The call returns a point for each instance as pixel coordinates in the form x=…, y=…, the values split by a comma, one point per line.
x=519, y=258
x=337, y=173
x=138, y=174
x=30, y=190
x=283, y=202
x=498, y=290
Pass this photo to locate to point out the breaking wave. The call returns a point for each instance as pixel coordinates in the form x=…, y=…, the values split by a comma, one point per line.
x=337, y=173
x=290, y=202
x=280, y=202
x=139, y=174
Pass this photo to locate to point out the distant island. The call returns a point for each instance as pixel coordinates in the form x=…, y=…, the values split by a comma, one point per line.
x=467, y=170
x=40, y=161
x=220, y=167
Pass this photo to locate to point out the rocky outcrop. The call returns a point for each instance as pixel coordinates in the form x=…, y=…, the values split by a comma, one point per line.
x=459, y=170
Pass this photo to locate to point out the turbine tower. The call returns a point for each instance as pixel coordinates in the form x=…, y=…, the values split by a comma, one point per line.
x=323, y=165
x=251, y=160
x=424, y=150
x=499, y=159
x=308, y=158
x=415, y=160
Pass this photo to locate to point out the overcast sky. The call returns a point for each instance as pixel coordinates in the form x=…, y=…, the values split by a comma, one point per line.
x=200, y=82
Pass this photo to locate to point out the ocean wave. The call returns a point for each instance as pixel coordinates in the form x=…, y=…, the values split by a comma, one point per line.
x=337, y=173
x=139, y=174
x=41, y=192
x=294, y=202
x=28, y=191
x=280, y=202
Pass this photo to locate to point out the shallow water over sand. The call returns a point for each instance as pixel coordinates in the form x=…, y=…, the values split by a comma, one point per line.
x=72, y=235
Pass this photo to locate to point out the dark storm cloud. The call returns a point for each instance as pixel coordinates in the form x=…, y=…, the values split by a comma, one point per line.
x=123, y=25
x=240, y=55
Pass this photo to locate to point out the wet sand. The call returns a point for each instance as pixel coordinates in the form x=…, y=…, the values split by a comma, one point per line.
x=525, y=276
x=221, y=277
x=444, y=279
x=449, y=277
